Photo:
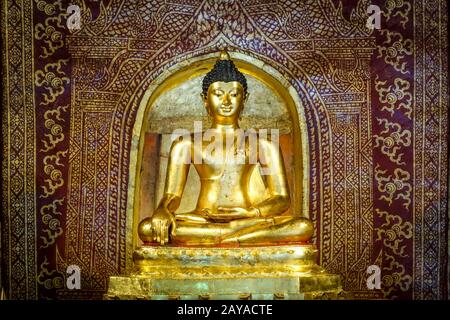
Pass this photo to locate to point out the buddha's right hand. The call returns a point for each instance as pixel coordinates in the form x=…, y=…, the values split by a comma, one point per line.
x=162, y=222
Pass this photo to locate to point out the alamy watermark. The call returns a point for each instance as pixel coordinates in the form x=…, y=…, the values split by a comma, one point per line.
x=374, y=279
x=230, y=146
x=73, y=280
x=74, y=20
x=374, y=19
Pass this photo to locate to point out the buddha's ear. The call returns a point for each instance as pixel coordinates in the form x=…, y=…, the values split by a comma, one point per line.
x=203, y=96
x=246, y=97
x=205, y=102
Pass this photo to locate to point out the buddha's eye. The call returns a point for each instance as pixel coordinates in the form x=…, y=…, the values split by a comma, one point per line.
x=234, y=94
x=218, y=93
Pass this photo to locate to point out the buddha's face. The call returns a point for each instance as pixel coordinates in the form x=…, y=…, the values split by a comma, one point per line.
x=225, y=100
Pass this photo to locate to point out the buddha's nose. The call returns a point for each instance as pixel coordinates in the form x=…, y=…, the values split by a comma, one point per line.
x=226, y=100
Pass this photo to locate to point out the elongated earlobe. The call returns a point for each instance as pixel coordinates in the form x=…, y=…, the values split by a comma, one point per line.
x=205, y=102
x=203, y=97
x=246, y=97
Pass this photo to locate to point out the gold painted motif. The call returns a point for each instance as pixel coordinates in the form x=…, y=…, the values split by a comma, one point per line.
x=49, y=8
x=56, y=135
x=394, y=187
x=392, y=139
x=50, y=217
x=393, y=232
x=51, y=37
x=53, y=79
x=52, y=169
x=396, y=49
x=394, y=276
x=395, y=97
x=397, y=8
x=49, y=279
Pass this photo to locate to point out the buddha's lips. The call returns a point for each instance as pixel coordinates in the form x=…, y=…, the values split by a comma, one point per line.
x=226, y=109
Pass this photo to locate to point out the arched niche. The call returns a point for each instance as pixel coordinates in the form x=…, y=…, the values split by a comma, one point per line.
x=283, y=99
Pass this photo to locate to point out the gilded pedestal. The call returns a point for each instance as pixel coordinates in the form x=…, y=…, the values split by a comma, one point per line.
x=270, y=272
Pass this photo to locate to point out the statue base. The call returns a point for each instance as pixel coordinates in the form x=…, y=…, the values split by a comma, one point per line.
x=262, y=273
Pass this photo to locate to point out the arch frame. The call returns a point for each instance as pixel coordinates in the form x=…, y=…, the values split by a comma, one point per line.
x=199, y=65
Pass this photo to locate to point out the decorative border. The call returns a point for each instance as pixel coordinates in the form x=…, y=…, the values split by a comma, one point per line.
x=431, y=150
x=19, y=250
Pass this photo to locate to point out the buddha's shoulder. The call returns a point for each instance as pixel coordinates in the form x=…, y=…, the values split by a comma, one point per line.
x=182, y=142
x=265, y=141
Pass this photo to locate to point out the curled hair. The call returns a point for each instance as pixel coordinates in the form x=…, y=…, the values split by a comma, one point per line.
x=226, y=71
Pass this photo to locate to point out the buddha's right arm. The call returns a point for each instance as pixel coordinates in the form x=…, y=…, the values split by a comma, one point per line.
x=177, y=172
x=275, y=180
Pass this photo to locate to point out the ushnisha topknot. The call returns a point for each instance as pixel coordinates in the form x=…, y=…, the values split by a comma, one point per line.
x=224, y=70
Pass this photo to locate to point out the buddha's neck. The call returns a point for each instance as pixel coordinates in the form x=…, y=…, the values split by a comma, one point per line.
x=224, y=126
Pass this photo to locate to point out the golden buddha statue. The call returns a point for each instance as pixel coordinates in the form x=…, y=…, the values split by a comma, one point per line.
x=230, y=246
x=225, y=213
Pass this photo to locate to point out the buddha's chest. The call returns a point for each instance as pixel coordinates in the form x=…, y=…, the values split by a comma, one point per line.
x=231, y=172
x=226, y=160
x=231, y=166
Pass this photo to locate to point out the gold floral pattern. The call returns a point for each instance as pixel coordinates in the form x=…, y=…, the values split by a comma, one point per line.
x=52, y=169
x=395, y=97
x=53, y=79
x=394, y=187
x=49, y=217
x=398, y=48
x=397, y=8
x=393, y=232
x=394, y=276
x=392, y=139
x=52, y=123
x=49, y=279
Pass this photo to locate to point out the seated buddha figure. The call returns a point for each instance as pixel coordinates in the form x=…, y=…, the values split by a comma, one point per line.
x=225, y=212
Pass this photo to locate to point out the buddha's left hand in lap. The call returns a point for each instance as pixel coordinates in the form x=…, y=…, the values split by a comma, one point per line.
x=232, y=213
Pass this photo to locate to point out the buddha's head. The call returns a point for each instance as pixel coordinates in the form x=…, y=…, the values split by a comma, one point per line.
x=224, y=91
